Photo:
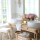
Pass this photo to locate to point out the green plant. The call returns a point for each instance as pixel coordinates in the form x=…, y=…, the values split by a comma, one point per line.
x=4, y=19
x=25, y=10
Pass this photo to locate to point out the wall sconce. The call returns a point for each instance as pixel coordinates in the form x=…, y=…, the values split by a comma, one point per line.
x=19, y=2
x=14, y=1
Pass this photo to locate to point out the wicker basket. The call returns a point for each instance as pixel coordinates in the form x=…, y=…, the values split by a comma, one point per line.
x=19, y=37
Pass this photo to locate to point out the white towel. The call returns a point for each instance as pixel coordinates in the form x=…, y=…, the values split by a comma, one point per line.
x=25, y=34
x=18, y=27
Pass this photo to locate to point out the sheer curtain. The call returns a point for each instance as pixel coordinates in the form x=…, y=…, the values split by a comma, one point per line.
x=3, y=11
x=32, y=6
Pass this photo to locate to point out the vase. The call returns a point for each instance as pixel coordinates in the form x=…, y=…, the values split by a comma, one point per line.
x=31, y=20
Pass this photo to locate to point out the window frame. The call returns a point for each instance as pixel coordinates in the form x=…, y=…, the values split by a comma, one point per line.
x=24, y=8
x=8, y=11
x=2, y=10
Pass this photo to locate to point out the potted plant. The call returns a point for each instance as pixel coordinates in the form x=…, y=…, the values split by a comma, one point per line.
x=29, y=17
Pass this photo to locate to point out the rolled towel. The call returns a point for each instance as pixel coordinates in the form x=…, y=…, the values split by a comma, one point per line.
x=24, y=33
x=27, y=34
x=33, y=39
x=21, y=34
x=18, y=27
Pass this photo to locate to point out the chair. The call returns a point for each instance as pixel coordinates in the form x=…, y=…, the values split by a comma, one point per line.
x=5, y=31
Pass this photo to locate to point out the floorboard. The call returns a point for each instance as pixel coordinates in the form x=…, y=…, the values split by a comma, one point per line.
x=12, y=39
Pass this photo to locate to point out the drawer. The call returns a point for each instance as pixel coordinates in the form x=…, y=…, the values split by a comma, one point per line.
x=29, y=29
x=24, y=28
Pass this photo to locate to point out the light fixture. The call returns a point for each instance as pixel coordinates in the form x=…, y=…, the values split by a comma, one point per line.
x=19, y=2
x=14, y=1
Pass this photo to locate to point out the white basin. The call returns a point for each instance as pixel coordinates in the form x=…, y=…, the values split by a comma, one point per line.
x=33, y=24
x=16, y=20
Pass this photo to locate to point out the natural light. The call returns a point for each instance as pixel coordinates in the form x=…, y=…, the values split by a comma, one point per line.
x=32, y=6
x=3, y=11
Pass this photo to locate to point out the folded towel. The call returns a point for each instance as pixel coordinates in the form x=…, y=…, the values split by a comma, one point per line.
x=18, y=27
x=25, y=34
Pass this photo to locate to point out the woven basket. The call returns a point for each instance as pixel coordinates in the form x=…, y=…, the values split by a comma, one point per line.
x=19, y=37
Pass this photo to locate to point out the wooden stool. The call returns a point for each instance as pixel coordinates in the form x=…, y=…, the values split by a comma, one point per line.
x=5, y=31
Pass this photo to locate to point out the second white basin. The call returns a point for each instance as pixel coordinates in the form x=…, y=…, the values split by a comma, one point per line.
x=33, y=24
x=16, y=20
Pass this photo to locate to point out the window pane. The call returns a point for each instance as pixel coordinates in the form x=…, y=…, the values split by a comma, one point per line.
x=0, y=5
x=31, y=11
x=27, y=5
x=4, y=4
x=26, y=0
x=32, y=6
x=4, y=11
x=27, y=12
x=5, y=0
x=0, y=12
x=32, y=1
x=0, y=18
x=34, y=11
x=0, y=0
x=4, y=18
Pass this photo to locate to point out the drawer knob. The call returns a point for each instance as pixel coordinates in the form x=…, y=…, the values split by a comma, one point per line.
x=27, y=28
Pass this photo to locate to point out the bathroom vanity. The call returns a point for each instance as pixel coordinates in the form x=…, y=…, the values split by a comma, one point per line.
x=26, y=28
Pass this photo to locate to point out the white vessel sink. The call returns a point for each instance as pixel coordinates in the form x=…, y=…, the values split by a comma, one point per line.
x=16, y=20
x=33, y=24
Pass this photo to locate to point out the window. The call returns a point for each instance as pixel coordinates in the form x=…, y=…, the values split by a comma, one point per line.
x=32, y=6
x=3, y=11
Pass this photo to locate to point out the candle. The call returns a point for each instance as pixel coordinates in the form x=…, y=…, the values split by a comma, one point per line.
x=36, y=20
x=24, y=22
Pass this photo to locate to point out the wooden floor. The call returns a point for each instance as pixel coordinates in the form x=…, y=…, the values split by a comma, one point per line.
x=13, y=39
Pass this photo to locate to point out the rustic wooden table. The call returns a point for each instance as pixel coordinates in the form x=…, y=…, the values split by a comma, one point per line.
x=26, y=28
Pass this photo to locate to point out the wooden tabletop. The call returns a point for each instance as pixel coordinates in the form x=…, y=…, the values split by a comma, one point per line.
x=26, y=28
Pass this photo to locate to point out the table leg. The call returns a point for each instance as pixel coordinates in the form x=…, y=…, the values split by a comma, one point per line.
x=12, y=32
x=30, y=38
x=3, y=36
x=36, y=36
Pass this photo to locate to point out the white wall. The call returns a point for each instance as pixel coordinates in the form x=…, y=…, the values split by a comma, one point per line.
x=13, y=9
x=12, y=6
x=39, y=8
x=8, y=10
x=19, y=10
